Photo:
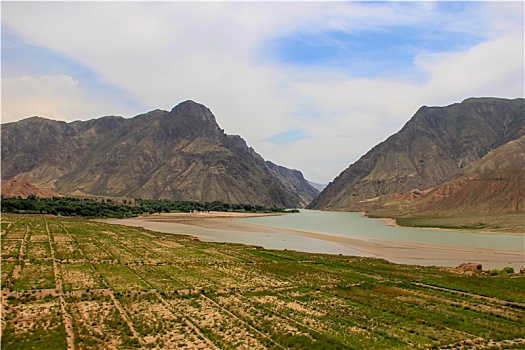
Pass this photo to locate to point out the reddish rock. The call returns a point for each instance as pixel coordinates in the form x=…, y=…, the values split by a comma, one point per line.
x=470, y=267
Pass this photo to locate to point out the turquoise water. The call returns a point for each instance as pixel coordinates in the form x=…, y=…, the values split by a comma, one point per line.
x=396, y=244
x=355, y=225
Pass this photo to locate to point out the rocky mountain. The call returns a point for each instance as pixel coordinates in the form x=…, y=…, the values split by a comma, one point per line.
x=493, y=185
x=181, y=154
x=436, y=145
x=295, y=181
x=317, y=186
x=14, y=188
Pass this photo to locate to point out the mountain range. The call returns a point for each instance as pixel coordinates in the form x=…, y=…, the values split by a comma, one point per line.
x=463, y=159
x=181, y=154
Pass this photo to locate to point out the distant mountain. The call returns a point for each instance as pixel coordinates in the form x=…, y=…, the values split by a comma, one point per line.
x=295, y=181
x=181, y=154
x=435, y=146
x=317, y=186
x=14, y=188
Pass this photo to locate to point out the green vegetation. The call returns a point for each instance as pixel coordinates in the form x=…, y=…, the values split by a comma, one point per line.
x=133, y=288
x=107, y=208
x=492, y=223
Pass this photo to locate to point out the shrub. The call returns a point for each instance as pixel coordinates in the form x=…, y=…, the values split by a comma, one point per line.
x=508, y=269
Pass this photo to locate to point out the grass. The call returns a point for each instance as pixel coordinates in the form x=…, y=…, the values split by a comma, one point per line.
x=127, y=287
x=35, y=274
x=80, y=276
x=42, y=330
x=491, y=223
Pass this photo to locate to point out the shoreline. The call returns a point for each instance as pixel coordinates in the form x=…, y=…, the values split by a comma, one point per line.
x=204, y=215
x=393, y=223
x=389, y=221
x=215, y=228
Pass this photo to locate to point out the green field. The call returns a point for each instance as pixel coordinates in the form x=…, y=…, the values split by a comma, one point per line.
x=79, y=284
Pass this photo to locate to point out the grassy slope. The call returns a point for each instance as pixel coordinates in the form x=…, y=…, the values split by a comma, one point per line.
x=134, y=288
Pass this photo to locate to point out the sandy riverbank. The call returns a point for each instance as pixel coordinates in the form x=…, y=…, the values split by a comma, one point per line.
x=203, y=215
x=213, y=225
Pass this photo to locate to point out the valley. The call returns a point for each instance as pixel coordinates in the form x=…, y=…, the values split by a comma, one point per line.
x=299, y=175
x=459, y=166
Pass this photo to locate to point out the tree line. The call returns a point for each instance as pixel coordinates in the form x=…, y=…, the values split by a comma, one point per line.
x=107, y=208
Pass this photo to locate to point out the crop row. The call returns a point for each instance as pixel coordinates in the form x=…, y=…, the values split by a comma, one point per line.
x=88, y=285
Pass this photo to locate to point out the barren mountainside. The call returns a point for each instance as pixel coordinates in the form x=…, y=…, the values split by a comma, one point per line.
x=494, y=184
x=435, y=146
x=295, y=181
x=181, y=154
x=13, y=188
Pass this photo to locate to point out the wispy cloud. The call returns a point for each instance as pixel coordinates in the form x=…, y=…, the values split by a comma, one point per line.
x=287, y=137
x=373, y=53
x=272, y=72
x=40, y=80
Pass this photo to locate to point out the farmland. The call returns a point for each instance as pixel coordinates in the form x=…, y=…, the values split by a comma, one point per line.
x=79, y=284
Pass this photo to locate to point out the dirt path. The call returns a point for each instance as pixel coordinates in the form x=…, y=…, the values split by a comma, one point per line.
x=68, y=323
x=68, y=319
x=125, y=318
x=23, y=246
x=473, y=295
x=188, y=322
x=56, y=270
x=480, y=343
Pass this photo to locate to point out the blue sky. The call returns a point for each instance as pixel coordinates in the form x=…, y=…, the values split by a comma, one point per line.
x=309, y=85
x=370, y=53
x=20, y=58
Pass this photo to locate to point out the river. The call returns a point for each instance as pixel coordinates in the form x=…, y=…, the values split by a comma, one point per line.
x=350, y=234
x=355, y=225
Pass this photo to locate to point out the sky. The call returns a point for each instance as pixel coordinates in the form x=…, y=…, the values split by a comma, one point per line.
x=309, y=85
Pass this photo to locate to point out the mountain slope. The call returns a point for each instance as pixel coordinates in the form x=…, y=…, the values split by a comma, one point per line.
x=13, y=188
x=181, y=154
x=295, y=181
x=493, y=185
x=434, y=146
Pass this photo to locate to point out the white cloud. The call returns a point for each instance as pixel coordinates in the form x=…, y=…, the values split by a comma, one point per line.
x=58, y=97
x=28, y=96
x=162, y=53
x=493, y=68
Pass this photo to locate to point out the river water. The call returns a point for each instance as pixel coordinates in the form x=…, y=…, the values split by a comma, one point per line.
x=403, y=244
x=353, y=234
x=355, y=225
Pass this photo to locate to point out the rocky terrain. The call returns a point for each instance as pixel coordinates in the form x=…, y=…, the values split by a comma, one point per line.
x=295, y=181
x=14, y=188
x=181, y=154
x=494, y=185
x=464, y=157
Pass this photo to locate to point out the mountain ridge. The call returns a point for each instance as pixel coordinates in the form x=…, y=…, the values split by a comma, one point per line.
x=181, y=154
x=431, y=148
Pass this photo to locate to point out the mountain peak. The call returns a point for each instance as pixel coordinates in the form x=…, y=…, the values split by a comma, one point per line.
x=181, y=154
x=191, y=109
